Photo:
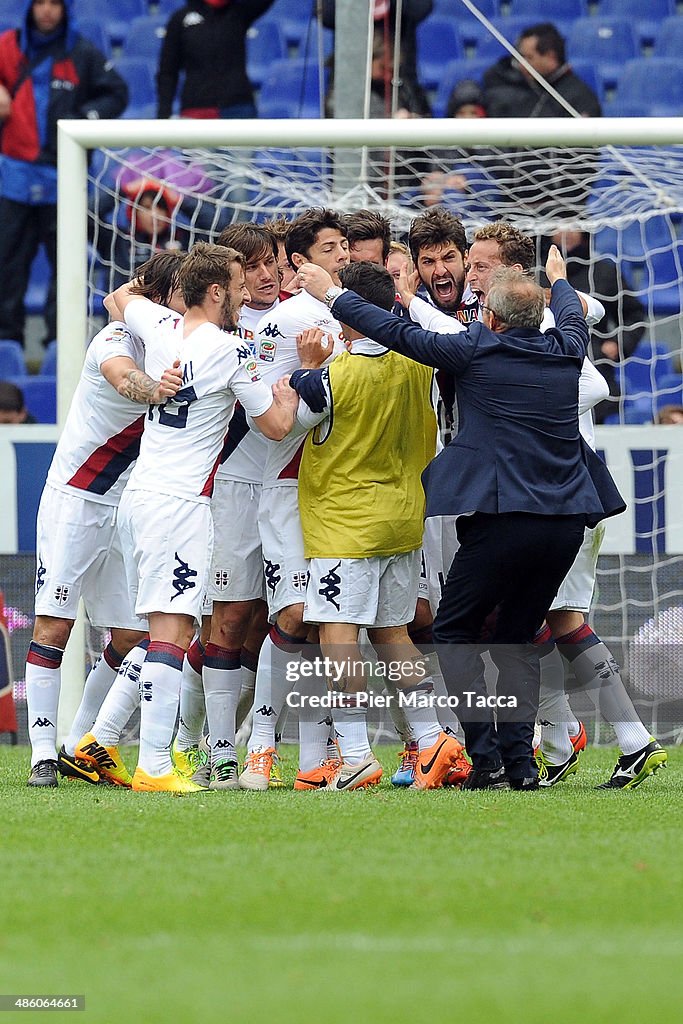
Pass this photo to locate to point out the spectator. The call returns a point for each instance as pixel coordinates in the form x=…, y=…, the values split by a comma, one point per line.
x=510, y=91
x=466, y=100
x=399, y=256
x=279, y=227
x=12, y=405
x=623, y=325
x=412, y=101
x=412, y=13
x=539, y=185
x=670, y=415
x=47, y=71
x=206, y=40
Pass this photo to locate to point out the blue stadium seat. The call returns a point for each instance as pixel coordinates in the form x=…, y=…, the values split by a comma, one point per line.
x=663, y=277
x=454, y=72
x=48, y=367
x=438, y=42
x=167, y=7
x=644, y=371
x=602, y=40
x=297, y=20
x=536, y=11
x=294, y=82
x=488, y=7
x=265, y=43
x=38, y=284
x=669, y=39
x=40, y=395
x=139, y=76
x=145, y=36
x=633, y=9
x=14, y=11
x=669, y=390
x=651, y=80
x=615, y=108
x=511, y=28
x=12, y=363
x=96, y=33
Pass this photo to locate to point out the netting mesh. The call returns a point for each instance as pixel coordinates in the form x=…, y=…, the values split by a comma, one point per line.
x=625, y=203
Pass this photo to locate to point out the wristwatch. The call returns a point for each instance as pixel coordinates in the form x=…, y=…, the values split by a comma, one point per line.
x=331, y=295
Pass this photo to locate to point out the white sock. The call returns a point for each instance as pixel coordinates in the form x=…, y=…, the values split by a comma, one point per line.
x=192, y=704
x=122, y=700
x=43, y=682
x=222, y=685
x=272, y=687
x=424, y=725
x=97, y=686
x=553, y=709
x=314, y=723
x=351, y=722
x=160, y=687
x=397, y=712
x=249, y=664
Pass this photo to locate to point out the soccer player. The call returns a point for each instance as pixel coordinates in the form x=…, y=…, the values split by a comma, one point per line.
x=279, y=227
x=236, y=587
x=78, y=548
x=362, y=506
x=165, y=517
x=318, y=236
x=369, y=236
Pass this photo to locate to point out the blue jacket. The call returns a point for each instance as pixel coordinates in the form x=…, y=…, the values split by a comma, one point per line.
x=518, y=446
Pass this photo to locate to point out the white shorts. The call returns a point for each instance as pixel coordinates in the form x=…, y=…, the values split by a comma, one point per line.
x=167, y=544
x=439, y=544
x=78, y=554
x=364, y=591
x=237, y=563
x=284, y=567
x=576, y=590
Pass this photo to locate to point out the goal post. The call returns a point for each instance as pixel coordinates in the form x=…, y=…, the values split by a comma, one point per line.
x=635, y=167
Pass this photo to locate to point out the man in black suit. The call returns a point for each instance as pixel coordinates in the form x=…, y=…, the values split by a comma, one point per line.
x=523, y=483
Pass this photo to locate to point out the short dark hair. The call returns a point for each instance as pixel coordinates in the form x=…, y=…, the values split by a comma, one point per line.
x=159, y=276
x=252, y=240
x=436, y=227
x=11, y=397
x=303, y=231
x=513, y=245
x=278, y=226
x=204, y=265
x=548, y=38
x=365, y=226
x=371, y=282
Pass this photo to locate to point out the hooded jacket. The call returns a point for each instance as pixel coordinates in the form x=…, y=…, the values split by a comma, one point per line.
x=49, y=77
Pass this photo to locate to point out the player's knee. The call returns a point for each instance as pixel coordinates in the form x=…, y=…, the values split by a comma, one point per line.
x=51, y=631
x=291, y=620
x=124, y=640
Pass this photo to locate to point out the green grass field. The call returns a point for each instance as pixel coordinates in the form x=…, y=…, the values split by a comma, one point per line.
x=358, y=908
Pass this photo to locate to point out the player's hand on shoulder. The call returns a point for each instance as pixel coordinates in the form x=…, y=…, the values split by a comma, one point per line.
x=555, y=266
x=313, y=348
x=283, y=394
x=170, y=383
x=408, y=283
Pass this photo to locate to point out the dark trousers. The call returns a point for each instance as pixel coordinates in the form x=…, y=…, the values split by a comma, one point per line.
x=513, y=564
x=22, y=229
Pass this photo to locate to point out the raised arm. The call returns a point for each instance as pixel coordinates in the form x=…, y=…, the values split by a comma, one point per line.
x=566, y=307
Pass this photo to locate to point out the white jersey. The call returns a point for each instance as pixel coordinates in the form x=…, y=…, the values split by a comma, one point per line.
x=244, y=452
x=101, y=437
x=277, y=356
x=183, y=438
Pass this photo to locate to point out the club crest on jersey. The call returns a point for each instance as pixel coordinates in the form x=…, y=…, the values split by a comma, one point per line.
x=252, y=370
x=221, y=578
x=299, y=580
x=267, y=350
x=62, y=592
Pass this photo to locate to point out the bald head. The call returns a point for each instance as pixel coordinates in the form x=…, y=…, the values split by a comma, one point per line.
x=515, y=299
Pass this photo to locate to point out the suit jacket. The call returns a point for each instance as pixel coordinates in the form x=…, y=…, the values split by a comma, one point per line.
x=518, y=446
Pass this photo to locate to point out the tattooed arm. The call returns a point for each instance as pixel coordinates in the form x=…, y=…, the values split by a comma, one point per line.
x=133, y=383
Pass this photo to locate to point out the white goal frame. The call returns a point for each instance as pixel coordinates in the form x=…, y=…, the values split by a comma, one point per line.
x=75, y=137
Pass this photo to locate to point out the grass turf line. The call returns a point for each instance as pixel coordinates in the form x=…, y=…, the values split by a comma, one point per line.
x=361, y=907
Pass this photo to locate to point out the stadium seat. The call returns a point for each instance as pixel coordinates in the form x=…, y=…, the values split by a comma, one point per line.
x=663, y=276
x=145, y=36
x=265, y=43
x=438, y=42
x=139, y=77
x=14, y=11
x=48, y=367
x=643, y=372
x=296, y=19
x=669, y=38
x=310, y=166
x=293, y=82
x=12, y=362
x=590, y=74
x=167, y=7
x=669, y=390
x=39, y=281
x=651, y=80
x=454, y=72
x=633, y=9
x=40, y=395
x=96, y=33
x=602, y=40
x=445, y=7
x=487, y=45
x=536, y=11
